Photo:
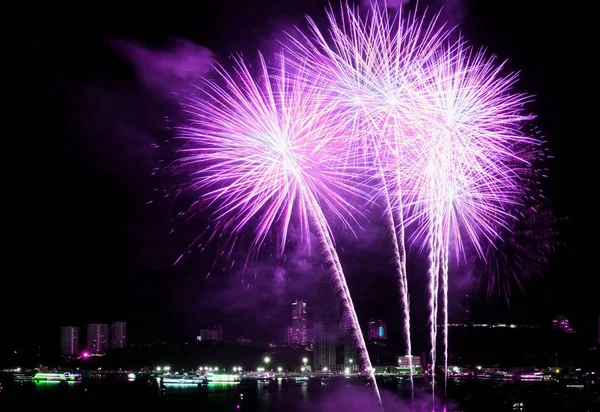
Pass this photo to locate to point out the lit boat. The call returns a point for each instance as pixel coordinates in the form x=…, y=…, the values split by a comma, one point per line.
x=184, y=379
x=222, y=377
x=265, y=377
x=56, y=376
x=21, y=377
x=535, y=376
x=301, y=378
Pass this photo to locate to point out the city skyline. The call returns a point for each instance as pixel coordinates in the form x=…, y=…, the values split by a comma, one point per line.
x=374, y=331
x=113, y=335
x=99, y=338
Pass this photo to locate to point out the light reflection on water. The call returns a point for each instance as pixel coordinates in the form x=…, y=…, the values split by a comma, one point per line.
x=289, y=396
x=286, y=396
x=54, y=384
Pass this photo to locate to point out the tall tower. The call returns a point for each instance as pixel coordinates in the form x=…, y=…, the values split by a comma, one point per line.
x=118, y=335
x=97, y=337
x=297, y=334
x=467, y=315
x=377, y=329
x=69, y=340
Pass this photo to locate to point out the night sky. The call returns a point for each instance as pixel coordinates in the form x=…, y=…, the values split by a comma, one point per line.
x=94, y=131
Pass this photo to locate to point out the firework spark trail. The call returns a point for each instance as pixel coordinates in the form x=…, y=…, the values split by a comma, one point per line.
x=397, y=234
x=273, y=157
x=366, y=66
x=333, y=258
x=263, y=154
x=445, y=314
x=433, y=273
x=399, y=238
x=461, y=178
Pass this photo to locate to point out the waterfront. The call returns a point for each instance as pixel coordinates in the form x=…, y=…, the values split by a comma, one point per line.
x=291, y=396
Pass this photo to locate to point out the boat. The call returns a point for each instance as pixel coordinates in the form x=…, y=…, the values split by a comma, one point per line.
x=184, y=379
x=21, y=377
x=222, y=377
x=265, y=377
x=301, y=378
x=56, y=376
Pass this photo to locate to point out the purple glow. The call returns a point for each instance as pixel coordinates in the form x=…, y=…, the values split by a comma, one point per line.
x=367, y=68
x=85, y=355
x=264, y=156
x=461, y=178
x=382, y=98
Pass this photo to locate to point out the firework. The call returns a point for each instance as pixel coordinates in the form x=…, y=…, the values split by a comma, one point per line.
x=380, y=96
x=367, y=68
x=264, y=156
x=521, y=252
x=461, y=180
x=522, y=248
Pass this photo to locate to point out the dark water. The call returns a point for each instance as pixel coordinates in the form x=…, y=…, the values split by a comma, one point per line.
x=313, y=396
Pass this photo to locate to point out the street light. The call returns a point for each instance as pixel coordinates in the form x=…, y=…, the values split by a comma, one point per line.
x=279, y=369
x=325, y=369
x=305, y=360
x=267, y=360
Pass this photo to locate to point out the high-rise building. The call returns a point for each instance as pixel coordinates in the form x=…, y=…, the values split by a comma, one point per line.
x=297, y=334
x=214, y=333
x=377, y=329
x=467, y=307
x=404, y=362
x=118, y=335
x=351, y=361
x=69, y=340
x=562, y=323
x=97, y=337
x=326, y=328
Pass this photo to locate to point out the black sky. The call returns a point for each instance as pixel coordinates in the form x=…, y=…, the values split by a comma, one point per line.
x=84, y=245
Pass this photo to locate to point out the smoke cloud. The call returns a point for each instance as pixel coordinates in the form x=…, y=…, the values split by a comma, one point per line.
x=354, y=398
x=171, y=70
